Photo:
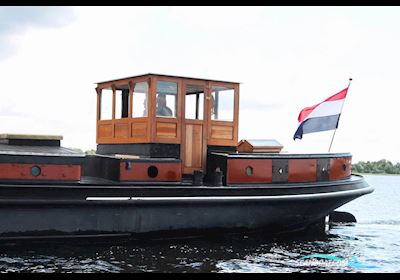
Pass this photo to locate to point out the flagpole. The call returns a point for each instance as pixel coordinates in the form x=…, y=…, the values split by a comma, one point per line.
x=333, y=136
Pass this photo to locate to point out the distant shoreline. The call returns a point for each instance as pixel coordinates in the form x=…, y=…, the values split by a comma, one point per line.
x=380, y=174
x=381, y=167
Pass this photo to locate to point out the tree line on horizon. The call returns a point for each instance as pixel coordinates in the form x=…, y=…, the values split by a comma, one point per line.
x=382, y=166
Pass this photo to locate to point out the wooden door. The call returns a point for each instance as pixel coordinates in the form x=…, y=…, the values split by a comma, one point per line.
x=193, y=146
x=194, y=142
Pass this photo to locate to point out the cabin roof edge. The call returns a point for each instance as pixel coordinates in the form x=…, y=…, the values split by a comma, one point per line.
x=164, y=75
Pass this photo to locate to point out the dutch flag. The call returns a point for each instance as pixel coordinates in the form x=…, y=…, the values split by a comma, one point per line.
x=321, y=117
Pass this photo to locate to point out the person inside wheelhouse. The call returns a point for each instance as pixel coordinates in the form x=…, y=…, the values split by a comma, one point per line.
x=166, y=99
x=162, y=109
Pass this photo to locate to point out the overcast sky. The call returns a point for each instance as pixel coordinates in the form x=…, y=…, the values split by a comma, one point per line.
x=286, y=58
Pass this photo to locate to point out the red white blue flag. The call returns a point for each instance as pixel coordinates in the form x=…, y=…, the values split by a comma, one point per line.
x=321, y=117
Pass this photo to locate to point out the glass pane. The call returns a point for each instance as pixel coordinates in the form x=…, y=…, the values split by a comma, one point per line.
x=167, y=95
x=139, y=101
x=194, y=100
x=222, y=103
x=118, y=104
x=106, y=104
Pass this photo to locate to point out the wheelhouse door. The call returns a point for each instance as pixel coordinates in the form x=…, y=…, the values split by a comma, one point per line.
x=194, y=142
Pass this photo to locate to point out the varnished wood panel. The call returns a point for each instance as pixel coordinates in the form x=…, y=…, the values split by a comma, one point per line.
x=193, y=146
x=261, y=171
x=245, y=147
x=139, y=130
x=302, y=170
x=121, y=130
x=221, y=132
x=188, y=146
x=166, y=130
x=105, y=130
x=152, y=108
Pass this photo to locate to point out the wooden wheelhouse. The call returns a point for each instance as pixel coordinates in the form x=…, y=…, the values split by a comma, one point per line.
x=201, y=116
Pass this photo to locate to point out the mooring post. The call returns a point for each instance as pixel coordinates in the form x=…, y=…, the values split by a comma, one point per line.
x=198, y=177
x=218, y=177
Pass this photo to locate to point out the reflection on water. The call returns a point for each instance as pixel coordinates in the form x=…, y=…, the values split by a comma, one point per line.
x=371, y=245
x=252, y=253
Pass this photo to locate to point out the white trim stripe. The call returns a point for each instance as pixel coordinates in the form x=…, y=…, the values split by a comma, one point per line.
x=247, y=198
x=108, y=198
x=328, y=108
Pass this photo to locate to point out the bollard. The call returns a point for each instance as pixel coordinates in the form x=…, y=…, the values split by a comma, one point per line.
x=198, y=177
x=218, y=175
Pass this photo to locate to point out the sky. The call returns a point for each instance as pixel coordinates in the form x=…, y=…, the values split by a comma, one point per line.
x=286, y=58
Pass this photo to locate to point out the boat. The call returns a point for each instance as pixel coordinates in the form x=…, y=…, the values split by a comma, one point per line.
x=167, y=163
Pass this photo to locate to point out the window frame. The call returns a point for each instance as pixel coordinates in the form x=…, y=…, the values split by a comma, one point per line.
x=177, y=98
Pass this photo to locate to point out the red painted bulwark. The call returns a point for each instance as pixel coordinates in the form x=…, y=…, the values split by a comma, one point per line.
x=170, y=171
x=55, y=172
x=302, y=170
x=236, y=171
x=340, y=168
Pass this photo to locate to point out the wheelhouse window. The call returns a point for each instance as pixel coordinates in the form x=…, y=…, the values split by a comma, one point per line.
x=166, y=99
x=106, y=103
x=194, y=100
x=222, y=103
x=121, y=102
x=139, y=100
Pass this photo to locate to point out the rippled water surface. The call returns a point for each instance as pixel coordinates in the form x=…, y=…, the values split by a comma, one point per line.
x=371, y=245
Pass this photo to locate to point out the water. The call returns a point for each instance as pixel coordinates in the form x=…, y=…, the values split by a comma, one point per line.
x=371, y=245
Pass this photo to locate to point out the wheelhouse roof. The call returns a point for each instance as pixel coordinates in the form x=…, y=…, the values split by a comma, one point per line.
x=164, y=75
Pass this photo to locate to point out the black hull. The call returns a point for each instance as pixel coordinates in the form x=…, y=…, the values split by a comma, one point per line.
x=81, y=210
